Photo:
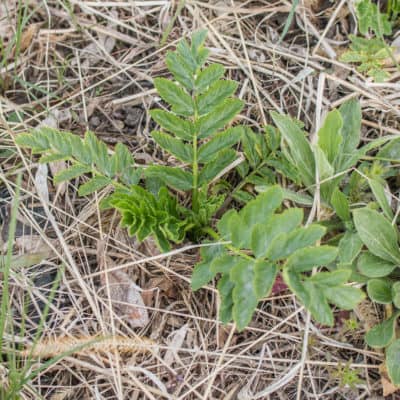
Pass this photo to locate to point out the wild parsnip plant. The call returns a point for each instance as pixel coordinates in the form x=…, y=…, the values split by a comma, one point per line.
x=258, y=244
x=249, y=247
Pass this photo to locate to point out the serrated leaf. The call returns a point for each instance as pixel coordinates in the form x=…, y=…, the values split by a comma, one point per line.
x=180, y=70
x=93, y=185
x=264, y=233
x=285, y=244
x=208, y=76
x=184, y=51
x=373, y=266
x=305, y=259
x=215, y=95
x=216, y=166
x=380, y=291
x=198, y=39
x=225, y=290
x=175, y=96
x=27, y=140
x=331, y=279
x=176, y=147
x=318, y=306
x=244, y=298
x=293, y=280
x=378, y=234
x=202, y=273
x=264, y=277
x=263, y=205
x=48, y=158
x=219, y=142
x=253, y=147
x=341, y=205
x=176, y=178
x=379, y=193
x=170, y=122
x=223, y=264
x=369, y=17
x=345, y=297
x=299, y=147
x=392, y=362
x=219, y=117
x=70, y=173
x=382, y=334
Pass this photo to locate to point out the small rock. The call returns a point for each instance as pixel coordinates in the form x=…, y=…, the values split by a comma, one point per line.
x=94, y=121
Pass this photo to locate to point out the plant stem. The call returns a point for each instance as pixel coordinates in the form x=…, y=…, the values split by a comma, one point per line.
x=209, y=231
x=195, y=167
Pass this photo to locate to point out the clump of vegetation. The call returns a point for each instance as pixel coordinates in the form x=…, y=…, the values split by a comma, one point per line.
x=266, y=237
x=371, y=51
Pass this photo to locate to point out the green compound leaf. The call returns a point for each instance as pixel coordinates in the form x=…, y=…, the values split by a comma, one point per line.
x=382, y=334
x=173, y=177
x=378, y=234
x=180, y=70
x=216, y=166
x=331, y=279
x=380, y=291
x=318, y=306
x=181, y=128
x=220, y=141
x=285, y=244
x=208, y=76
x=264, y=233
x=175, y=96
x=70, y=173
x=144, y=214
x=264, y=277
x=93, y=185
x=307, y=258
x=369, y=17
x=219, y=117
x=345, y=297
x=225, y=289
x=242, y=225
x=244, y=297
x=215, y=95
x=203, y=273
x=176, y=147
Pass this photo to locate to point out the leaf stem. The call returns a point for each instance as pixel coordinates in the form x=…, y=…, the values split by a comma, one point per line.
x=195, y=167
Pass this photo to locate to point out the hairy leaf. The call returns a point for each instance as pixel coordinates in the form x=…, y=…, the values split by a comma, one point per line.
x=380, y=291
x=373, y=266
x=330, y=136
x=378, y=234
